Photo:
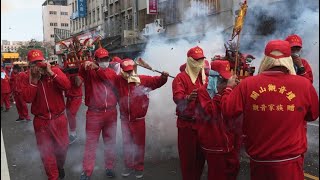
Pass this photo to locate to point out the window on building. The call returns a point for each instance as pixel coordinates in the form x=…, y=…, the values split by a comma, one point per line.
x=52, y=35
x=53, y=12
x=72, y=7
x=55, y=24
x=93, y=16
x=83, y=22
x=98, y=14
x=75, y=6
x=89, y=19
x=64, y=13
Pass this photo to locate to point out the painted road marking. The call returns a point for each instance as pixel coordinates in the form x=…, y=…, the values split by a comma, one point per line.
x=4, y=164
x=310, y=176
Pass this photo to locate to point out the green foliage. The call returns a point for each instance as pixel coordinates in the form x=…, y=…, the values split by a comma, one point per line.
x=32, y=44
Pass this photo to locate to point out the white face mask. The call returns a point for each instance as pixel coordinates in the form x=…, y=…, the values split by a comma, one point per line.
x=103, y=64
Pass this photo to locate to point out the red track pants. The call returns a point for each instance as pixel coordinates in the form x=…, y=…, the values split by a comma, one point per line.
x=223, y=166
x=52, y=141
x=288, y=170
x=134, y=140
x=97, y=122
x=72, y=106
x=21, y=106
x=191, y=156
x=5, y=98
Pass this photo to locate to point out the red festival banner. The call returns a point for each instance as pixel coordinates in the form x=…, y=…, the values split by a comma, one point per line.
x=152, y=6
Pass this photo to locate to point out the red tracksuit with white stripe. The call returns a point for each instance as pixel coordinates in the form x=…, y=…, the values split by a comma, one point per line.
x=190, y=153
x=134, y=103
x=275, y=109
x=101, y=100
x=17, y=87
x=74, y=100
x=217, y=138
x=50, y=122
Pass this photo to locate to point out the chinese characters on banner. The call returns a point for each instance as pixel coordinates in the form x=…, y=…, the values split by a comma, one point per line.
x=273, y=107
x=82, y=8
x=152, y=6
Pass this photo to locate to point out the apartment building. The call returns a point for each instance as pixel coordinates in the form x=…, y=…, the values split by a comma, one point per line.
x=55, y=15
x=11, y=46
x=86, y=16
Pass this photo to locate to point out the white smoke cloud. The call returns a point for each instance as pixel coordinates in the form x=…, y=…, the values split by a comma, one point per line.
x=166, y=55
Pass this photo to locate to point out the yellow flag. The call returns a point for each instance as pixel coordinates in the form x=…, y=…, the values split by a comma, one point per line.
x=239, y=20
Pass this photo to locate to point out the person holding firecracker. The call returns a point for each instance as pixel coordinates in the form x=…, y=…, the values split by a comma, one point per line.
x=101, y=117
x=5, y=90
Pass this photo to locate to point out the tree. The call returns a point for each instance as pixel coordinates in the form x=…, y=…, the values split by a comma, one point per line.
x=32, y=44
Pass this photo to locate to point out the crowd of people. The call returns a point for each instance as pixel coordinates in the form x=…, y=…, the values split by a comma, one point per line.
x=216, y=112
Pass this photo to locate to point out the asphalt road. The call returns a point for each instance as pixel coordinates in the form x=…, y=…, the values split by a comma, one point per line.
x=160, y=163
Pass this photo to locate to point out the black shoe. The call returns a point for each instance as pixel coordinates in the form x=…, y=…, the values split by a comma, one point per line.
x=110, y=173
x=84, y=176
x=62, y=174
x=72, y=139
x=139, y=174
x=19, y=120
x=126, y=172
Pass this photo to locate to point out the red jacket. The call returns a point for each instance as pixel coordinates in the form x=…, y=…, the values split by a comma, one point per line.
x=17, y=82
x=134, y=100
x=5, y=84
x=99, y=93
x=308, y=71
x=46, y=96
x=74, y=91
x=214, y=134
x=275, y=109
x=181, y=88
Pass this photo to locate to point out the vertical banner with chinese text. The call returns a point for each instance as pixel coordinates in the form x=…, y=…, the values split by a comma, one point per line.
x=82, y=8
x=152, y=6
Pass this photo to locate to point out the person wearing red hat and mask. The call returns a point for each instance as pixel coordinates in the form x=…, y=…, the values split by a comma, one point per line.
x=301, y=65
x=215, y=134
x=17, y=87
x=115, y=64
x=44, y=90
x=134, y=102
x=101, y=117
x=275, y=109
x=184, y=89
x=74, y=100
x=5, y=90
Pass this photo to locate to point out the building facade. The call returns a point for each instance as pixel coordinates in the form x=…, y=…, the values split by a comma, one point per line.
x=11, y=46
x=55, y=14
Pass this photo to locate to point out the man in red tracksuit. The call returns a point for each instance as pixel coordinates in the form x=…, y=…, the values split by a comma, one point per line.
x=301, y=65
x=74, y=100
x=44, y=90
x=275, y=109
x=5, y=90
x=17, y=77
x=184, y=89
x=101, y=99
x=134, y=102
x=215, y=133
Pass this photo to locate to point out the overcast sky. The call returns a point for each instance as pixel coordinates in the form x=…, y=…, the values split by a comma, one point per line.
x=21, y=20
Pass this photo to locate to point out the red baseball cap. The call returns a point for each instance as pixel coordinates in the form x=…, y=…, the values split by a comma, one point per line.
x=35, y=55
x=127, y=65
x=222, y=67
x=101, y=53
x=196, y=53
x=294, y=40
x=116, y=59
x=278, y=45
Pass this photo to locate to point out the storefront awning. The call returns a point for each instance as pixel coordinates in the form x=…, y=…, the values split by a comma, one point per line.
x=10, y=55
